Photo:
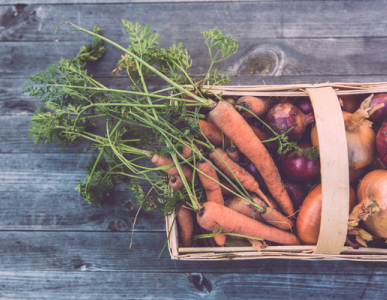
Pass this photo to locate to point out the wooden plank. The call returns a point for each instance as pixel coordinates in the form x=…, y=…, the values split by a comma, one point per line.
x=259, y=19
x=269, y=57
x=67, y=211
x=157, y=285
x=109, y=251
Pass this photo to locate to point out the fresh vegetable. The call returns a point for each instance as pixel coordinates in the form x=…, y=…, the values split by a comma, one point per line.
x=252, y=169
x=351, y=103
x=209, y=180
x=162, y=161
x=175, y=182
x=360, y=136
x=212, y=133
x=185, y=221
x=372, y=203
x=257, y=105
x=224, y=114
x=297, y=192
x=380, y=115
x=304, y=104
x=233, y=153
x=231, y=169
x=309, y=217
x=301, y=166
x=286, y=117
x=213, y=214
x=381, y=143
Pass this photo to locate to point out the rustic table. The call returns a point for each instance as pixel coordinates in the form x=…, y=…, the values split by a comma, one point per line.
x=53, y=245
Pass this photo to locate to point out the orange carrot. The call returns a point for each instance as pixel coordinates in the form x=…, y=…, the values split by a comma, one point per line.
x=175, y=182
x=237, y=130
x=209, y=120
x=161, y=161
x=185, y=221
x=244, y=177
x=213, y=133
x=243, y=207
x=212, y=188
x=257, y=105
x=213, y=191
x=233, y=222
x=233, y=153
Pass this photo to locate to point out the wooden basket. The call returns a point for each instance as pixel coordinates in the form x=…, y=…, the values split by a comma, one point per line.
x=334, y=178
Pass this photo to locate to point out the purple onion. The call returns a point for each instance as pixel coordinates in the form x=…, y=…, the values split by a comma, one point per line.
x=381, y=143
x=300, y=168
x=284, y=116
x=297, y=192
x=379, y=115
x=304, y=104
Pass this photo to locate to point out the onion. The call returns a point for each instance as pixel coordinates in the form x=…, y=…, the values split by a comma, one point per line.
x=304, y=104
x=372, y=199
x=379, y=115
x=355, y=175
x=297, y=192
x=309, y=217
x=300, y=168
x=360, y=136
x=284, y=116
x=381, y=143
x=351, y=103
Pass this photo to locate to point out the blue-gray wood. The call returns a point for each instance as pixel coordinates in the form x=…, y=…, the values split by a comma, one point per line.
x=53, y=245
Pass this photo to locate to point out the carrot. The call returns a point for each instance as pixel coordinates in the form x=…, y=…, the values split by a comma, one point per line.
x=272, y=216
x=213, y=133
x=213, y=191
x=184, y=218
x=233, y=222
x=186, y=151
x=243, y=207
x=233, y=153
x=209, y=120
x=175, y=182
x=237, y=130
x=263, y=136
x=244, y=177
x=208, y=242
x=161, y=161
x=257, y=105
x=212, y=188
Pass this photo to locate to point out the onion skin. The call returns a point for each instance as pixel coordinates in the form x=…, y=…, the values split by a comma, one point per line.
x=304, y=104
x=299, y=168
x=380, y=115
x=381, y=143
x=284, y=116
x=309, y=217
x=372, y=199
x=297, y=192
x=351, y=103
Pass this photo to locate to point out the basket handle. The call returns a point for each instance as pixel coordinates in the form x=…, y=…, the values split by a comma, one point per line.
x=334, y=170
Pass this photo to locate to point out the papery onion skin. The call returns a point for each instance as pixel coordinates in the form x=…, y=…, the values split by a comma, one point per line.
x=381, y=143
x=297, y=192
x=304, y=104
x=309, y=217
x=379, y=115
x=372, y=199
x=284, y=116
x=300, y=168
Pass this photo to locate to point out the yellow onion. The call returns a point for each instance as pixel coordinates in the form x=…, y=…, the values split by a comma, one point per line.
x=360, y=136
x=372, y=199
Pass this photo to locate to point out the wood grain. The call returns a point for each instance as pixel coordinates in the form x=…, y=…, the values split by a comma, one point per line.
x=109, y=251
x=259, y=19
x=138, y=285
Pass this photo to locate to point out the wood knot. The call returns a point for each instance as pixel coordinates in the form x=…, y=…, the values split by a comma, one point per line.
x=260, y=62
x=201, y=283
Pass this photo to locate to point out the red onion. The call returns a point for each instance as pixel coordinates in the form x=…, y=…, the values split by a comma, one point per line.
x=381, y=143
x=299, y=168
x=284, y=116
x=304, y=104
x=351, y=103
x=379, y=115
x=297, y=192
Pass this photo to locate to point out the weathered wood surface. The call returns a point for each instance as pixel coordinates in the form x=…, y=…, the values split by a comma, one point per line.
x=53, y=245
